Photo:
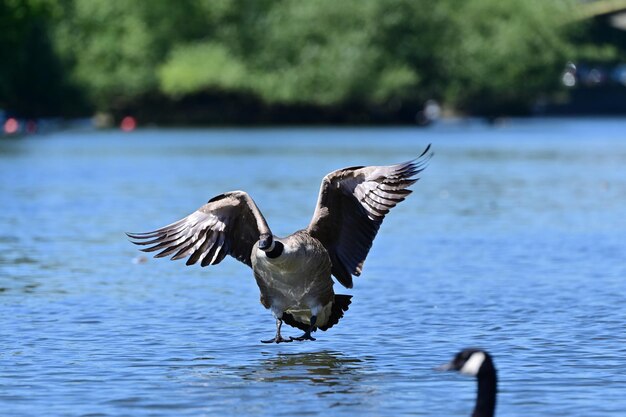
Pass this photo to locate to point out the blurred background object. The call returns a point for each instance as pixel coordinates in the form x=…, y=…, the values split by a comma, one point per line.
x=290, y=62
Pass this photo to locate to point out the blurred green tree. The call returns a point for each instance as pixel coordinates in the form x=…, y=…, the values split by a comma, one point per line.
x=505, y=54
x=480, y=55
x=33, y=81
x=476, y=56
x=115, y=47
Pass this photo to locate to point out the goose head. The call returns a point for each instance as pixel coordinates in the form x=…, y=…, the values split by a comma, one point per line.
x=266, y=240
x=477, y=363
x=471, y=361
x=272, y=248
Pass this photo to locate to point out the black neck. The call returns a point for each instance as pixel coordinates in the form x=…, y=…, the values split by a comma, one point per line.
x=486, y=397
x=277, y=251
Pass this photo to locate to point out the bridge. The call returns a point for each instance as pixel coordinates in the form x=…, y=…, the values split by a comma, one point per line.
x=594, y=8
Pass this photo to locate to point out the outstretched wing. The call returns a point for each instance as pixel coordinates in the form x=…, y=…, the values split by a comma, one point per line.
x=351, y=207
x=229, y=224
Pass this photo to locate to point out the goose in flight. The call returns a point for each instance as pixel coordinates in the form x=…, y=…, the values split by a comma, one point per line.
x=294, y=272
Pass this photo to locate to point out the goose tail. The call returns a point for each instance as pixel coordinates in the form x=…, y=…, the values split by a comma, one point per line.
x=341, y=304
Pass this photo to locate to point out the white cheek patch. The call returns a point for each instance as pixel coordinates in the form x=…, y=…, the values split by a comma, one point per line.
x=473, y=364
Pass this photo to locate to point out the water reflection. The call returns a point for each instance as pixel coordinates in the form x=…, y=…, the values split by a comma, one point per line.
x=324, y=369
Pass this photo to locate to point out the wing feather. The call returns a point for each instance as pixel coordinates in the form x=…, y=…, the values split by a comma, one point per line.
x=205, y=241
x=229, y=224
x=352, y=205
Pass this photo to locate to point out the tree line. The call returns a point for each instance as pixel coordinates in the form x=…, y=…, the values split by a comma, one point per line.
x=323, y=57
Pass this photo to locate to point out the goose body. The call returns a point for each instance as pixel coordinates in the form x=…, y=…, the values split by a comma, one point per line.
x=294, y=273
x=479, y=364
x=298, y=281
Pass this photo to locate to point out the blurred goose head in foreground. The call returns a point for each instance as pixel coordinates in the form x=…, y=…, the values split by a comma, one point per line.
x=477, y=363
x=294, y=273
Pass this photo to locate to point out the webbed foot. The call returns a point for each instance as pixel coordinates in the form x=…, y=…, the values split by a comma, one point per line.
x=278, y=338
x=305, y=336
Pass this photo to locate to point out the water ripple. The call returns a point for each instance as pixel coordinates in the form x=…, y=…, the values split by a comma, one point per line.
x=510, y=242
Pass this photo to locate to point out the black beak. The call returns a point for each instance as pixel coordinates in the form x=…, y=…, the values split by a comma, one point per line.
x=265, y=241
x=445, y=367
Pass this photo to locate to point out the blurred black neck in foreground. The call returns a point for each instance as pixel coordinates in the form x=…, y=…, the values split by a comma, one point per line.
x=487, y=389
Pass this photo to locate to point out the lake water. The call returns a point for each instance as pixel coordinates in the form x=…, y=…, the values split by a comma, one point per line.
x=513, y=240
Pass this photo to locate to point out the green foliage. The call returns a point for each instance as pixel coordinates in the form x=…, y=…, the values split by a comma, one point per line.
x=115, y=47
x=32, y=81
x=505, y=51
x=112, y=46
x=473, y=55
x=196, y=67
x=317, y=52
